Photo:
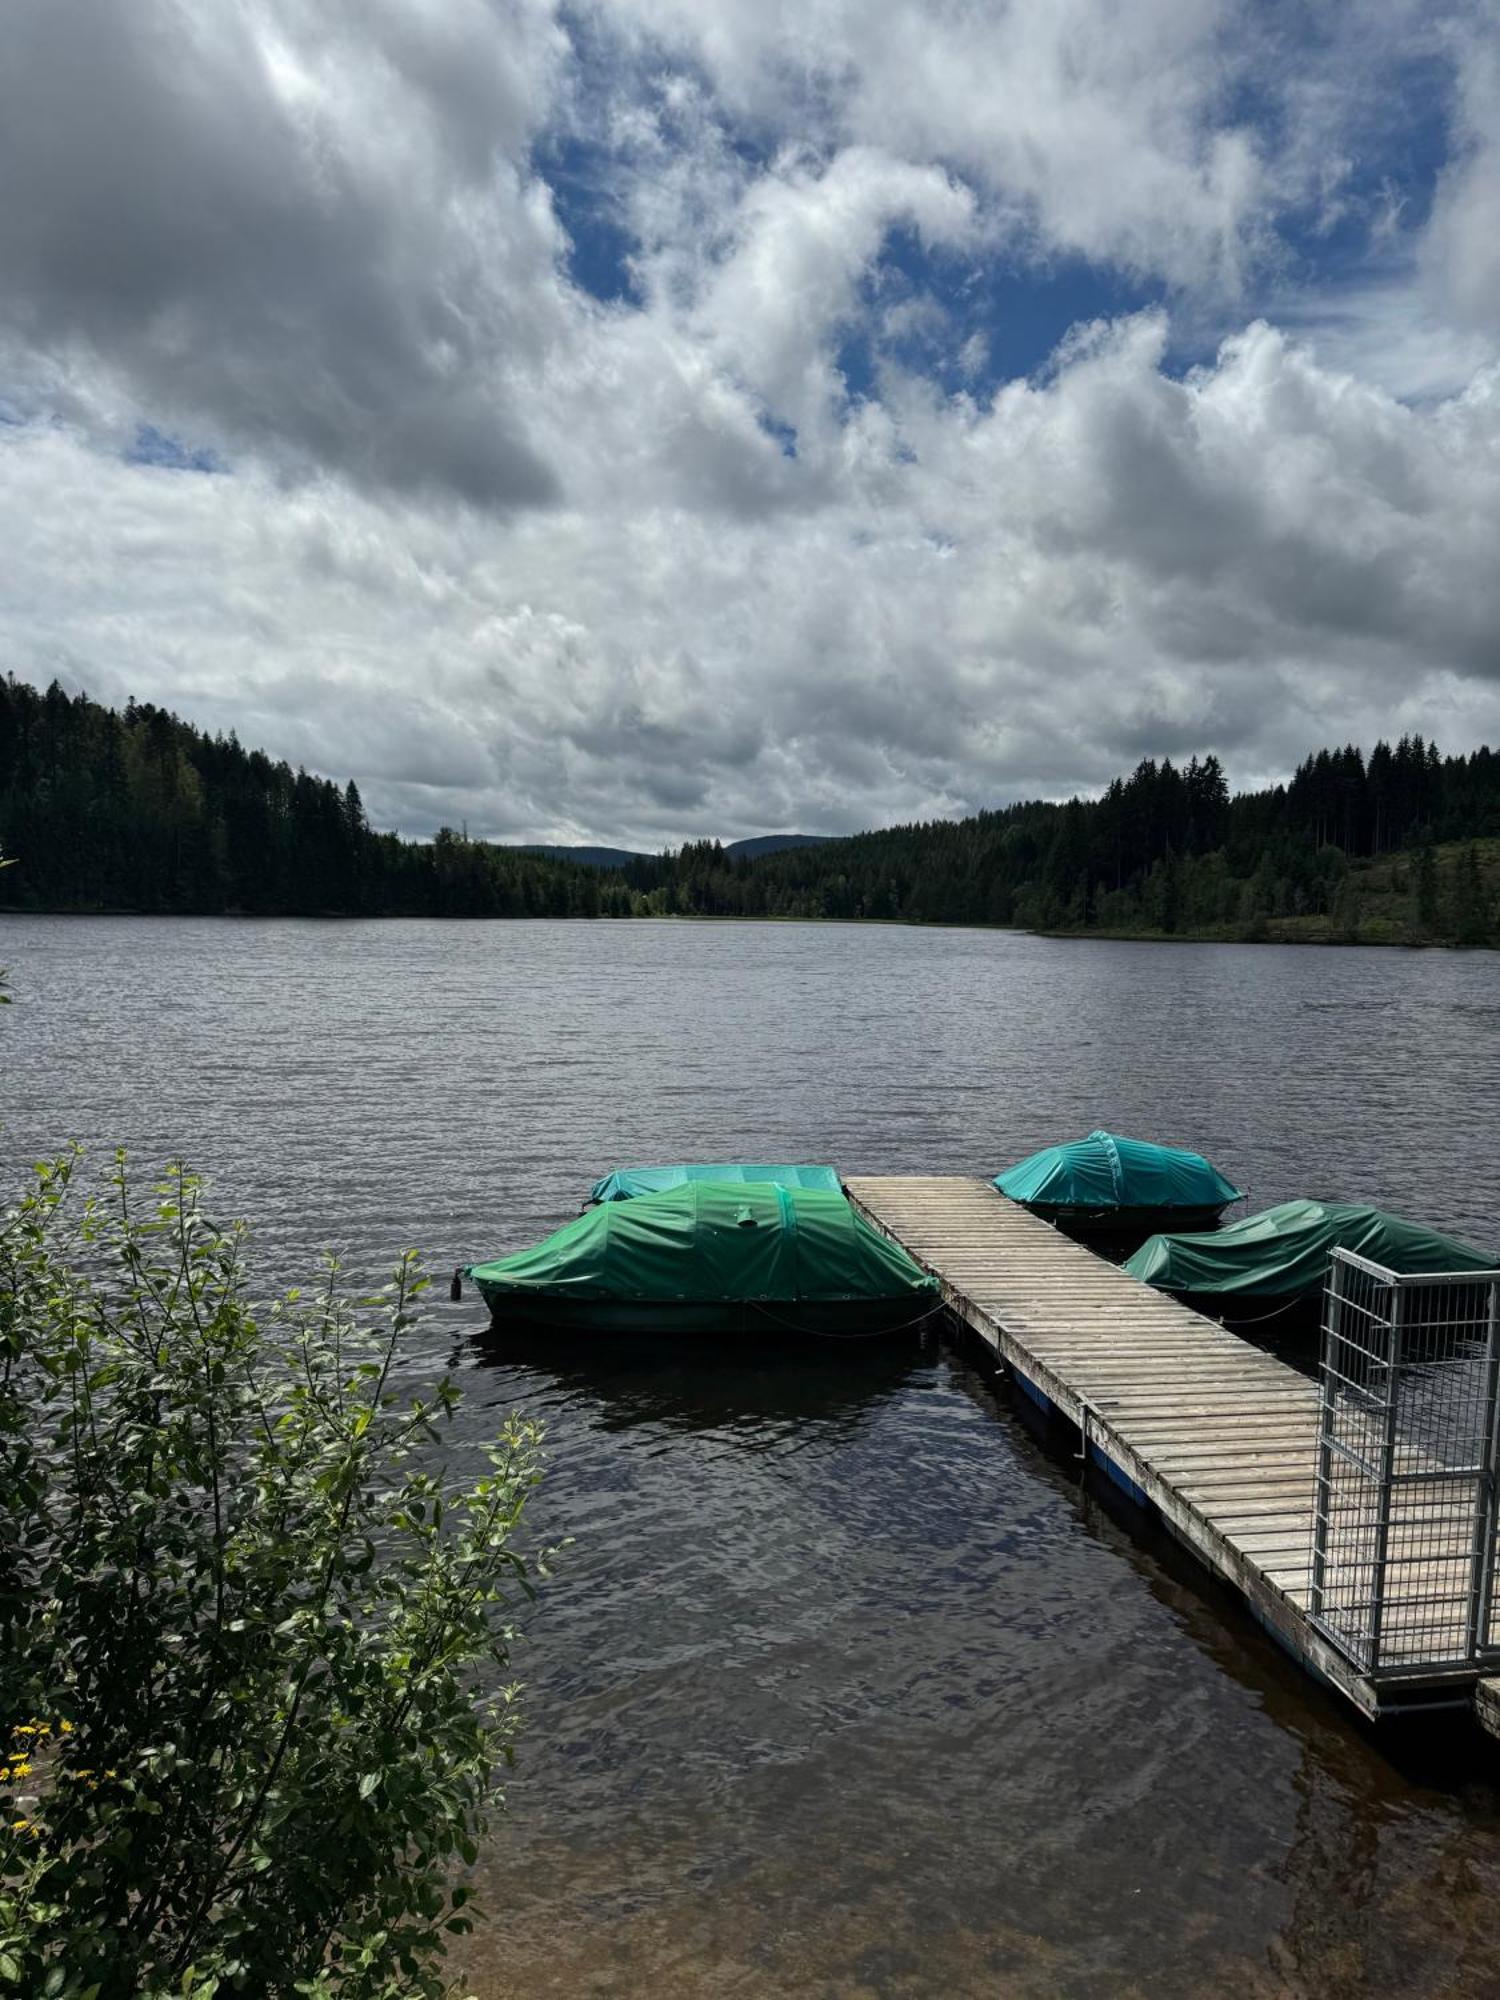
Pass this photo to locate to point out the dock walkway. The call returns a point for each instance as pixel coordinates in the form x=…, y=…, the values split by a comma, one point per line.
x=1219, y=1436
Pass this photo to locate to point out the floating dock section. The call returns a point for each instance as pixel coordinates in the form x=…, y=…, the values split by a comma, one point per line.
x=1219, y=1437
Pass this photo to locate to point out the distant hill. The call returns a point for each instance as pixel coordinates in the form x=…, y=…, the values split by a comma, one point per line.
x=621, y=857
x=773, y=843
x=587, y=857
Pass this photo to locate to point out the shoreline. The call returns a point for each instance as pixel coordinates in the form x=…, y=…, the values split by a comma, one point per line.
x=1311, y=943
x=1321, y=939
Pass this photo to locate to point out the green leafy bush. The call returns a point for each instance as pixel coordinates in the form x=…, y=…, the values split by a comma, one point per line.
x=253, y=1648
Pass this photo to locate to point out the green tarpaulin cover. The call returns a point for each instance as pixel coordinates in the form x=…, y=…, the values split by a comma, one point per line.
x=711, y=1241
x=625, y=1183
x=1104, y=1171
x=1287, y=1250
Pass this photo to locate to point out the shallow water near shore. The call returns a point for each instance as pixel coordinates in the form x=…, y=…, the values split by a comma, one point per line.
x=844, y=1686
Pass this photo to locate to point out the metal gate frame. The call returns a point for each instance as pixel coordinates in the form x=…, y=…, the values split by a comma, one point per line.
x=1405, y=1517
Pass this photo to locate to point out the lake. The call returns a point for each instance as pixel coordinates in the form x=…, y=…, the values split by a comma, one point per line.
x=845, y=1687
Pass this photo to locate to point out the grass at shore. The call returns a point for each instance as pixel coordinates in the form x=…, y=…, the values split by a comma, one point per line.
x=1377, y=904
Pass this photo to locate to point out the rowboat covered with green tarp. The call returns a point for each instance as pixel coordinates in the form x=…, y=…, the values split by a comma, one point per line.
x=711, y=1257
x=1283, y=1255
x=628, y=1183
x=1105, y=1184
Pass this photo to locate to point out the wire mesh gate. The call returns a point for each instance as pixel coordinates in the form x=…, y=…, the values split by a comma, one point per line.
x=1404, y=1551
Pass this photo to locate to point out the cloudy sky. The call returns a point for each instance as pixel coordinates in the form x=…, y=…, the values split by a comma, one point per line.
x=639, y=418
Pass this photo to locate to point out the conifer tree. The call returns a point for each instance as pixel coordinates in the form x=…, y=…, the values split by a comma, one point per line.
x=1427, y=891
x=1471, y=917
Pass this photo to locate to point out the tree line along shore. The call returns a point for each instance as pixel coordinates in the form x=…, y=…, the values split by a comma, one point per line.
x=135, y=810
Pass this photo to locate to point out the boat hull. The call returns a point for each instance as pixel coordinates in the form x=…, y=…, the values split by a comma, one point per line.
x=1297, y=1318
x=1276, y=1316
x=1120, y=1232
x=849, y=1319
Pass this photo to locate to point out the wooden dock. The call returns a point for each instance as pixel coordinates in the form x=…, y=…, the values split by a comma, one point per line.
x=1218, y=1436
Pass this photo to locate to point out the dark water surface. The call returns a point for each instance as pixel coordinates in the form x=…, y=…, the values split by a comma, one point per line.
x=844, y=1687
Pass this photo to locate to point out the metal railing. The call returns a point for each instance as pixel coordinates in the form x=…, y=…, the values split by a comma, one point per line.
x=1404, y=1552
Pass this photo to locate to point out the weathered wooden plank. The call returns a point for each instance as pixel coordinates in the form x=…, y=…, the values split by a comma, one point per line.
x=1174, y=1407
x=1197, y=1453
x=1126, y=1347
x=1217, y=1427
x=1215, y=1489
x=1487, y=1705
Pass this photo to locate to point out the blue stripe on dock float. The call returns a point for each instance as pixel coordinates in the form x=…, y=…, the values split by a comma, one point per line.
x=1121, y=1478
x=1028, y=1388
x=1098, y=1457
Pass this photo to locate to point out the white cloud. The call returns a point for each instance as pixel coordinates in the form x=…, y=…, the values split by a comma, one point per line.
x=1420, y=313
x=1461, y=252
x=1389, y=329
x=771, y=309
x=1103, y=130
x=301, y=229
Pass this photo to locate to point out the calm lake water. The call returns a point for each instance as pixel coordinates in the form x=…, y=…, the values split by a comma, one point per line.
x=845, y=1687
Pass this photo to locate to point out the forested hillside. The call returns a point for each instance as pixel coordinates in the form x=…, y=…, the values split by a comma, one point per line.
x=136, y=810
x=1168, y=851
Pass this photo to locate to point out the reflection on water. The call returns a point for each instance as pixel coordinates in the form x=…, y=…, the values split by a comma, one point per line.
x=764, y=1396
x=845, y=1686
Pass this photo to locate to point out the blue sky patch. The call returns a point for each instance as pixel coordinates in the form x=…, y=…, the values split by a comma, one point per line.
x=158, y=447
x=579, y=175
x=784, y=435
x=972, y=324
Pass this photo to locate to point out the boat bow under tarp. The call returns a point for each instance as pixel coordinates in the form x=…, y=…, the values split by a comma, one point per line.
x=629, y=1183
x=1104, y=1176
x=708, y=1255
x=1286, y=1251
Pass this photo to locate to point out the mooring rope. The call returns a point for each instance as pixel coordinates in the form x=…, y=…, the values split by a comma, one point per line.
x=1261, y=1318
x=815, y=1333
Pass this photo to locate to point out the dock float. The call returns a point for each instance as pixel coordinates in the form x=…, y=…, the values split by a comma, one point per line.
x=1217, y=1436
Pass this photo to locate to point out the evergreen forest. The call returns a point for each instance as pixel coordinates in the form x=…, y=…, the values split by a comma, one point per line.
x=137, y=810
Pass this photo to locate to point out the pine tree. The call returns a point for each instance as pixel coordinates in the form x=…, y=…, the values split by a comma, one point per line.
x=1427, y=891
x=1471, y=916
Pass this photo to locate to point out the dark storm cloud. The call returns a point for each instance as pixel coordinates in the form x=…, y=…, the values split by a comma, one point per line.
x=317, y=246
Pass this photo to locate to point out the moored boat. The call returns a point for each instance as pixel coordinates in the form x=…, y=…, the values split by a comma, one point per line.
x=629, y=1183
x=1105, y=1186
x=1276, y=1263
x=710, y=1257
